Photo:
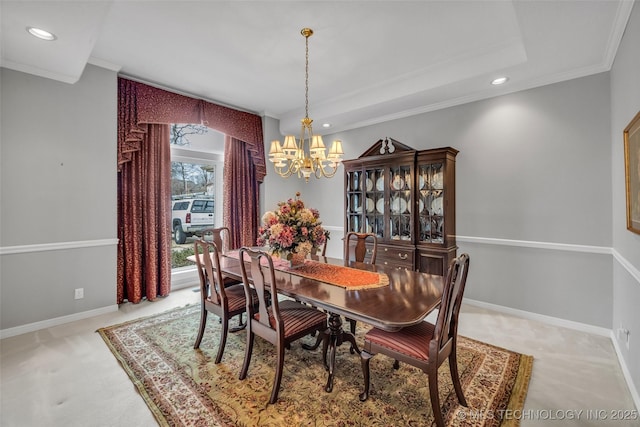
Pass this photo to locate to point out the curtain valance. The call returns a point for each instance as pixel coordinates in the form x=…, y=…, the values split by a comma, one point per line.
x=143, y=104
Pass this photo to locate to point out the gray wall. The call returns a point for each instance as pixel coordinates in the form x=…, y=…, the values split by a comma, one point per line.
x=625, y=104
x=58, y=190
x=533, y=166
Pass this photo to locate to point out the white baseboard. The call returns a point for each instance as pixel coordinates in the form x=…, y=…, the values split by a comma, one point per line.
x=184, y=278
x=625, y=371
x=57, y=321
x=596, y=330
x=179, y=279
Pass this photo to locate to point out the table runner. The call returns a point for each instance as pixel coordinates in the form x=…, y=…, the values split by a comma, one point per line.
x=337, y=275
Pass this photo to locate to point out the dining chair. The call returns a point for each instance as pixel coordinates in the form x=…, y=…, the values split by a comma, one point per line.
x=425, y=346
x=360, y=250
x=281, y=322
x=359, y=254
x=223, y=301
x=221, y=236
x=320, y=251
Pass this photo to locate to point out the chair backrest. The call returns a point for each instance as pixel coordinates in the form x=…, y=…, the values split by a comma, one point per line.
x=360, y=250
x=220, y=236
x=447, y=323
x=320, y=251
x=264, y=283
x=208, y=262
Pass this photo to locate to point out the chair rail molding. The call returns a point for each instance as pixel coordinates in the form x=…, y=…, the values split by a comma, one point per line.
x=605, y=250
x=58, y=246
x=633, y=271
x=535, y=244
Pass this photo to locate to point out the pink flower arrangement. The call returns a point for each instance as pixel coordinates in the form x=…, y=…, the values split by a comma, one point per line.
x=292, y=229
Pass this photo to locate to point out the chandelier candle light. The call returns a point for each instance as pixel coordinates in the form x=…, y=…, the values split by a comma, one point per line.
x=305, y=157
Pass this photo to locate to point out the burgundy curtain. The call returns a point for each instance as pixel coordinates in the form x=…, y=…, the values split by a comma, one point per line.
x=244, y=127
x=147, y=104
x=144, y=219
x=241, y=185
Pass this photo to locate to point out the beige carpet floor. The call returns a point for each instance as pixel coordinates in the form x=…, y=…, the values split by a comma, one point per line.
x=66, y=376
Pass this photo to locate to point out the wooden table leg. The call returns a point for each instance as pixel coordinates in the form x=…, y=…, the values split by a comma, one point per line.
x=337, y=336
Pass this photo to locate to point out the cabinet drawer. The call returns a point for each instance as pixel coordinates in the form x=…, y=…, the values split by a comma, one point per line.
x=435, y=260
x=396, y=257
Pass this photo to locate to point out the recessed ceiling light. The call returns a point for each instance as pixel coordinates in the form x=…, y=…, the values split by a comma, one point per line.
x=41, y=34
x=326, y=125
x=499, y=81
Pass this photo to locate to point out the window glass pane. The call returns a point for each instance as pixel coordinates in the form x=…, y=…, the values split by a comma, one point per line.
x=196, y=153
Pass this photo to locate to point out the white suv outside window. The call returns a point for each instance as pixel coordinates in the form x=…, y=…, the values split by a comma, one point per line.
x=189, y=216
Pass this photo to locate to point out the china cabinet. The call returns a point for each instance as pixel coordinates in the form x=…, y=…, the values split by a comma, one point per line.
x=407, y=199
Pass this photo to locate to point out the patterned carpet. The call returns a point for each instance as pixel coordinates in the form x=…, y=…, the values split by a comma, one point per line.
x=183, y=387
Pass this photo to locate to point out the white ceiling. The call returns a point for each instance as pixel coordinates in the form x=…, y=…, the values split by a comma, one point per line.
x=370, y=61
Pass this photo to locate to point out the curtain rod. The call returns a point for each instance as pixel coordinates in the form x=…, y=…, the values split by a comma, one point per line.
x=179, y=92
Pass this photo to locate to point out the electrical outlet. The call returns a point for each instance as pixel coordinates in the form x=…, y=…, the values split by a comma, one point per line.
x=79, y=293
x=627, y=337
x=623, y=335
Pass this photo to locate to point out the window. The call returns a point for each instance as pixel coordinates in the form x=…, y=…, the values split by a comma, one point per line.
x=196, y=174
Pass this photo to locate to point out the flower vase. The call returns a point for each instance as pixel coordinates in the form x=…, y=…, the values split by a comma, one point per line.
x=296, y=259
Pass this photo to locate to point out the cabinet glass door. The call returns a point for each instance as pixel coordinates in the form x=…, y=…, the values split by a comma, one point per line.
x=355, y=201
x=374, y=202
x=430, y=202
x=400, y=202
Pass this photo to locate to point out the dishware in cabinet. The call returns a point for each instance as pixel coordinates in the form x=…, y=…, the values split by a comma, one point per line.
x=355, y=201
x=375, y=201
x=400, y=202
x=436, y=211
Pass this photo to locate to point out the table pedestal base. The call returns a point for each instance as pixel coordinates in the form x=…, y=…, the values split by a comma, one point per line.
x=331, y=339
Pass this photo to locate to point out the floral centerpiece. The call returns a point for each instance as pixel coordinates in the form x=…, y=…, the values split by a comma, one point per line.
x=292, y=231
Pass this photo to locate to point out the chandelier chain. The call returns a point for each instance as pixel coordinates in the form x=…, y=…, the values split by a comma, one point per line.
x=306, y=77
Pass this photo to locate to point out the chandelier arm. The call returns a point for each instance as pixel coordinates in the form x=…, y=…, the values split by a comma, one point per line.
x=319, y=170
x=293, y=166
x=283, y=173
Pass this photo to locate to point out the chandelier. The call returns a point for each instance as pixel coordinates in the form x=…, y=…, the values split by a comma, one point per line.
x=307, y=156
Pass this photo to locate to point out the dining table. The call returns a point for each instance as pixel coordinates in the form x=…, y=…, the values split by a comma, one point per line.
x=399, y=298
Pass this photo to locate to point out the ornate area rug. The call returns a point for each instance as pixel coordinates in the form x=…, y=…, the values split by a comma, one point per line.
x=183, y=387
